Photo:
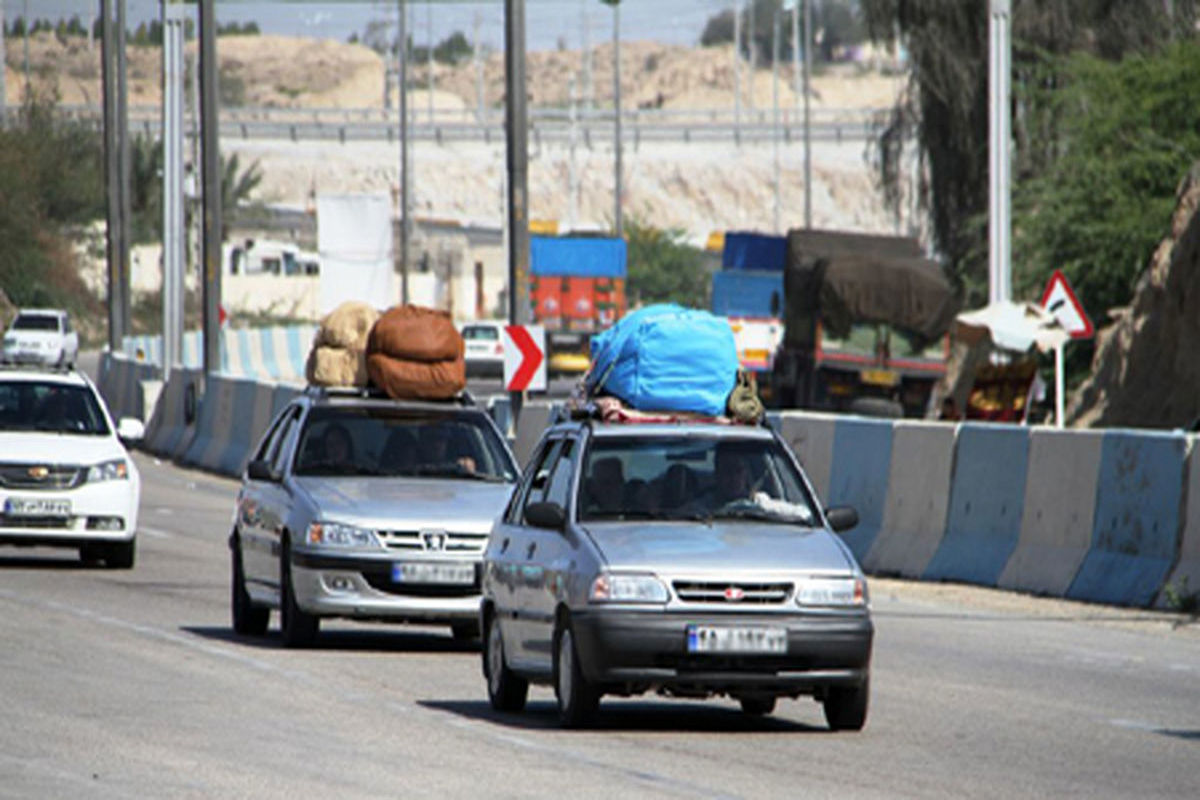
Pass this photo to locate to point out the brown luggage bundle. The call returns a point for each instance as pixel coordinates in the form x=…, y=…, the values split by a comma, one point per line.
x=338, y=354
x=416, y=353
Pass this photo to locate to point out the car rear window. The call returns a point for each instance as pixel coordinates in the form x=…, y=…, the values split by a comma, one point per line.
x=692, y=477
x=385, y=442
x=50, y=407
x=484, y=333
x=35, y=322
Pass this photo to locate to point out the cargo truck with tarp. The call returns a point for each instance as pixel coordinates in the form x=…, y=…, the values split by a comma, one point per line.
x=748, y=291
x=577, y=288
x=866, y=323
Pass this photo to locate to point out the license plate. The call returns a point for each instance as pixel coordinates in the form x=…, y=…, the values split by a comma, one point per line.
x=712, y=639
x=36, y=507
x=880, y=377
x=447, y=574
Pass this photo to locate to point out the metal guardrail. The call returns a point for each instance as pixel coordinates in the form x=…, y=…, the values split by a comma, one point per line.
x=547, y=126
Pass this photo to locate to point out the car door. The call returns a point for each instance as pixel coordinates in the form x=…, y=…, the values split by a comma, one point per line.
x=268, y=508
x=512, y=569
x=548, y=555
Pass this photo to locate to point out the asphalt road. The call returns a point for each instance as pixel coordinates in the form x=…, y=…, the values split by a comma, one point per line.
x=131, y=684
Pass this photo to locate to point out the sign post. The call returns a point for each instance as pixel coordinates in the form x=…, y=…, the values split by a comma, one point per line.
x=1060, y=300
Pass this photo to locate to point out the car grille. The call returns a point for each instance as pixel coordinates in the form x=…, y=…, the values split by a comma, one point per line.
x=41, y=523
x=58, y=477
x=383, y=583
x=731, y=593
x=424, y=541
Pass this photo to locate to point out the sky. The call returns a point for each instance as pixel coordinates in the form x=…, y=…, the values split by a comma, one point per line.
x=548, y=22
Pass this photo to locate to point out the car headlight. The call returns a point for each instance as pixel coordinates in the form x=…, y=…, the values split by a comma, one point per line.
x=335, y=534
x=115, y=470
x=617, y=588
x=831, y=592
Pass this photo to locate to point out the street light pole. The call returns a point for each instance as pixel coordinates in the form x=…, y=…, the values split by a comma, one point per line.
x=517, y=154
x=405, y=166
x=807, y=114
x=619, y=223
x=999, y=129
x=775, y=114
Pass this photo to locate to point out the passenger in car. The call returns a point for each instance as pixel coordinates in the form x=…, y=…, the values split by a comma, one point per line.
x=606, y=486
x=337, y=447
x=677, y=488
x=732, y=478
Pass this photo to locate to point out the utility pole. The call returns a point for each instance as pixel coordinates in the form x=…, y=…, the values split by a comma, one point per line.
x=125, y=170
x=517, y=153
x=775, y=113
x=797, y=78
x=807, y=113
x=477, y=56
x=999, y=136
x=737, y=72
x=618, y=221
x=115, y=167
x=589, y=91
x=210, y=181
x=405, y=163
x=429, y=58
x=572, y=171
x=3, y=72
x=173, y=256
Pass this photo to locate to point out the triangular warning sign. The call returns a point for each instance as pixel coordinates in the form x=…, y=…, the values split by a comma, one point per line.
x=1060, y=300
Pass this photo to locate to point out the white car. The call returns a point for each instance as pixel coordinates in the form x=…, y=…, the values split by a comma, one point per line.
x=484, y=342
x=66, y=479
x=41, y=336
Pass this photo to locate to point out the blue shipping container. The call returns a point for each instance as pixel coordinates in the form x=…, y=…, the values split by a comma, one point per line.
x=747, y=294
x=754, y=251
x=580, y=257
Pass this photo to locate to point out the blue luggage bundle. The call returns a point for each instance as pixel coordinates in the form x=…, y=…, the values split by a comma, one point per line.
x=666, y=358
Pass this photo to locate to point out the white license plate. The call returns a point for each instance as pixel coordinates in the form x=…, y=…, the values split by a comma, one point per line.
x=447, y=574
x=36, y=507
x=713, y=639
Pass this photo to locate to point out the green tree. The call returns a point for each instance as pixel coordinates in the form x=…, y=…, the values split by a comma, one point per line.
x=453, y=49
x=664, y=268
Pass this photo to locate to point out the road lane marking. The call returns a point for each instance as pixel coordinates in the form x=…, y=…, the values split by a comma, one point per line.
x=155, y=533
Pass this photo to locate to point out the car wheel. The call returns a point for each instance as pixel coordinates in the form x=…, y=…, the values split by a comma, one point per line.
x=578, y=699
x=248, y=619
x=120, y=555
x=846, y=707
x=758, y=706
x=299, y=628
x=465, y=631
x=506, y=690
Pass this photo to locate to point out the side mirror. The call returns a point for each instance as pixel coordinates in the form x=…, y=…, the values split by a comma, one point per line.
x=259, y=471
x=841, y=518
x=130, y=429
x=546, y=515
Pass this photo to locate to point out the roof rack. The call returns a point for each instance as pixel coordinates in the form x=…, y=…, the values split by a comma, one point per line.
x=463, y=398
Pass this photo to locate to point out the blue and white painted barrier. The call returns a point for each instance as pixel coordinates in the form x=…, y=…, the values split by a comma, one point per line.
x=1185, y=578
x=277, y=353
x=862, y=456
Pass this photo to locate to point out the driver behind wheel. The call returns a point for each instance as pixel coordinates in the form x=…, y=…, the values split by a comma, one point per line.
x=732, y=478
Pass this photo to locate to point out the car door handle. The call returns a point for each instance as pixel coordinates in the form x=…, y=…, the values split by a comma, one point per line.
x=504, y=546
x=532, y=548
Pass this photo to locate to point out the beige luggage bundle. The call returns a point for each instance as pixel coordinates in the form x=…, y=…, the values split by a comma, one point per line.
x=416, y=353
x=338, y=354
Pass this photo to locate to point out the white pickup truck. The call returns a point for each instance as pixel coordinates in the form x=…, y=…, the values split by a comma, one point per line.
x=40, y=336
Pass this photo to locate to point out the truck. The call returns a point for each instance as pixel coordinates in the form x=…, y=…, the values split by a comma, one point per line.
x=577, y=288
x=748, y=291
x=866, y=322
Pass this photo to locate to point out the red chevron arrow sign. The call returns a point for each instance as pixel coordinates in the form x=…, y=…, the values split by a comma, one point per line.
x=524, y=358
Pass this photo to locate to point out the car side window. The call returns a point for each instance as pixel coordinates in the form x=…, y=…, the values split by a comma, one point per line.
x=539, y=488
x=268, y=442
x=533, y=483
x=559, y=487
x=282, y=445
x=66, y=324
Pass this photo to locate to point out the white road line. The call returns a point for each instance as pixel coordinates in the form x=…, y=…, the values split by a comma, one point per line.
x=155, y=533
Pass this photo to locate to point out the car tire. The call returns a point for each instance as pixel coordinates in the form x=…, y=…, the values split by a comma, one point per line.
x=846, y=706
x=120, y=555
x=578, y=698
x=298, y=627
x=465, y=631
x=506, y=690
x=758, y=706
x=248, y=619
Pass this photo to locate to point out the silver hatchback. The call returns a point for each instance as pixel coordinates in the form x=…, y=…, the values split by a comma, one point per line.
x=691, y=560
x=367, y=508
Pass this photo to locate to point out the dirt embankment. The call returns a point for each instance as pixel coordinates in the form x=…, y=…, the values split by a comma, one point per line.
x=1146, y=372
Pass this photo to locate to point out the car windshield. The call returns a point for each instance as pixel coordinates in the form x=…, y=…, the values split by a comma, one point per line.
x=35, y=322
x=385, y=442
x=50, y=407
x=690, y=478
x=481, y=333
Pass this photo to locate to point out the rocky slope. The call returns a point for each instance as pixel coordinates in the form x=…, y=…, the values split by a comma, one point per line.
x=1146, y=372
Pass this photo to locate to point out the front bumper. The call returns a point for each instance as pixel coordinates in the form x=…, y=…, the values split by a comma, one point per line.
x=16, y=355
x=636, y=650
x=90, y=503
x=361, y=587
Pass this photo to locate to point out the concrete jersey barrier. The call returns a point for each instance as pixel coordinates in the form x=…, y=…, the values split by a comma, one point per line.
x=1185, y=577
x=1059, y=511
x=987, y=492
x=1136, y=533
x=810, y=436
x=918, y=496
x=862, y=456
x=173, y=422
